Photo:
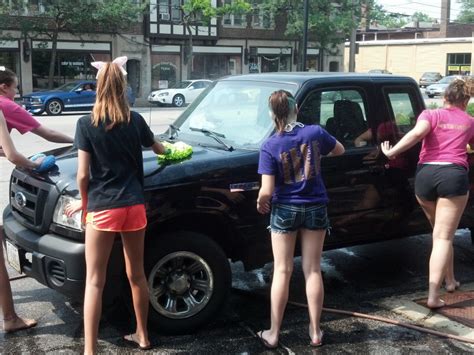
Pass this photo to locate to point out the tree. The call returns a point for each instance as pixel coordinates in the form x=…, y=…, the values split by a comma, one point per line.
x=329, y=22
x=466, y=15
x=66, y=16
x=201, y=12
x=377, y=13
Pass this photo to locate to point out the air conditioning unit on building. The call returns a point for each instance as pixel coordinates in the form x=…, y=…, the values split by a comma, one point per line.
x=165, y=16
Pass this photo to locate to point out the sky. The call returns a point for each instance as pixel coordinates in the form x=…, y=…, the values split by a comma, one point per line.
x=429, y=7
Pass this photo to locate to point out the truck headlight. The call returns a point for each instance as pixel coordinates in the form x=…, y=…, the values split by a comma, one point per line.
x=59, y=215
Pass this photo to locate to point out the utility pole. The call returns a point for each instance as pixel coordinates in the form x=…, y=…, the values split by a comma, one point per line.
x=305, y=34
x=352, y=45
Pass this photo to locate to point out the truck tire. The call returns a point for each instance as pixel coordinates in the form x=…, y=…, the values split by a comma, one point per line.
x=189, y=279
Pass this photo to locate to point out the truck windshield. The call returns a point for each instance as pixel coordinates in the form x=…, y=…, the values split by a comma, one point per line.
x=236, y=109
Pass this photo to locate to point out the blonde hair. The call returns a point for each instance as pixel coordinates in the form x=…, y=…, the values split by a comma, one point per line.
x=111, y=105
x=283, y=106
x=459, y=91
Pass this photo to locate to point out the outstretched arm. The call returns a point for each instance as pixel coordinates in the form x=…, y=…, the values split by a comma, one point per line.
x=421, y=129
x=52, y=135
x=8, y=148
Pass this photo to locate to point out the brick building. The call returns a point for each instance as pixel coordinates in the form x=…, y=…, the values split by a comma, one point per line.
x=447, y=48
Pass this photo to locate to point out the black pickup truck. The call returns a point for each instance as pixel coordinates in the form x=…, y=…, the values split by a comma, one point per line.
x=202, y=211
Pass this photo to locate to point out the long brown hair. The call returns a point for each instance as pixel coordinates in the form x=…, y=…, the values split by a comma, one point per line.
x=283, y=104
x=459, y=91
x=111, y=105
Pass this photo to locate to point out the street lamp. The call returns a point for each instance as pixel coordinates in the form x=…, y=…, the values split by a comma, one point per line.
x=305, y=34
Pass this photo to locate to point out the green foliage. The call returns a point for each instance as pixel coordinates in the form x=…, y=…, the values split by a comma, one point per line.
x=466, y=15
x=433, y=105
x=329, y=22
x=470, y=109
x=202, y=11
x=391, y=19
x=71, y=16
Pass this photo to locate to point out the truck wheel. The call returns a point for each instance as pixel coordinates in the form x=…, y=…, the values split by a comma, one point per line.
x=189, y=279
x=54, y=107
x=430, y=96
x=178, y=100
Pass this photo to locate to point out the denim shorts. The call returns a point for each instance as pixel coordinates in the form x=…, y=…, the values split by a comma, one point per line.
x=287, y=218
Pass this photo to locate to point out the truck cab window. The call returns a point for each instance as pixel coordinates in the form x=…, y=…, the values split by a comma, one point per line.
x=343, y=113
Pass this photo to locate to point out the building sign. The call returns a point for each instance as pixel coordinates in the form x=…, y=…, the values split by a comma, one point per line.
x=465, y=68
x=453, y=67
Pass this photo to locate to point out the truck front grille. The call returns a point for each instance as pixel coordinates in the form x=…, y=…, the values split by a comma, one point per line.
x=30, y=200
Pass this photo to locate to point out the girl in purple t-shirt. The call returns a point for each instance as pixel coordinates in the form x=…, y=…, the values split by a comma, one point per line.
x=441, y=183
x=293, y=190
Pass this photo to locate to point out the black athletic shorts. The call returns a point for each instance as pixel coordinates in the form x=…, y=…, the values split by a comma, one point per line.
x=433, y=181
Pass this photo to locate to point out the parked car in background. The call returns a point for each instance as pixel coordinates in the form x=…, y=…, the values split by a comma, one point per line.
x=429, y=78
x=75, y=96
x=180, y=94
x=438, y=88
x=379, y=71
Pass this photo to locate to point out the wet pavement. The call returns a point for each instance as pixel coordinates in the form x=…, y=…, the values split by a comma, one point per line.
x=356, y=279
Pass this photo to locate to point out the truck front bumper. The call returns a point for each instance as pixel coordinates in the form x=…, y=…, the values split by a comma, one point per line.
x=52, y=260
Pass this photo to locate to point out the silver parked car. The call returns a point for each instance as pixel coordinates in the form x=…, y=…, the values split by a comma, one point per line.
x=429, y=78
x=439, y=88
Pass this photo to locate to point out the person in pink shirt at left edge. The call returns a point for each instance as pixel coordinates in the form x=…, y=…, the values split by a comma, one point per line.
x=17, y=118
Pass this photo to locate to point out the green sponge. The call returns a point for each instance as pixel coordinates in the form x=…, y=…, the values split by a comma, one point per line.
x=175, y=151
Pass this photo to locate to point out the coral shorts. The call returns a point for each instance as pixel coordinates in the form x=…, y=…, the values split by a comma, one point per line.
x=122, y=219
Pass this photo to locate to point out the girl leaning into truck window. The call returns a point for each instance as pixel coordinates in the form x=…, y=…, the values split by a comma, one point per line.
x=11, y=321
x=441, y=183
x=297, y=201
x=110, y=182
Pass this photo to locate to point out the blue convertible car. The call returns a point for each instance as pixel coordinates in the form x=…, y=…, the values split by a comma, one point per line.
x=75, y=96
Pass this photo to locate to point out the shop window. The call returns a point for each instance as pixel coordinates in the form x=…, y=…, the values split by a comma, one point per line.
x=70, y=66
x=459, y=64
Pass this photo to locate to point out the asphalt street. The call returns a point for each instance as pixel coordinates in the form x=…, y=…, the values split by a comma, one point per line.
x=362, y=279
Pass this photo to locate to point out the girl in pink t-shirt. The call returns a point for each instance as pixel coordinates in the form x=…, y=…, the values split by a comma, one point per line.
x=441, y=183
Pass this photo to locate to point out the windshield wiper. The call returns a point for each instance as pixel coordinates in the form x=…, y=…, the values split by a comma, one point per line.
x=217, y=136
x=173, y=131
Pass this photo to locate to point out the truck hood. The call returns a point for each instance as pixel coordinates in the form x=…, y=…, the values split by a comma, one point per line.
x=205, y=163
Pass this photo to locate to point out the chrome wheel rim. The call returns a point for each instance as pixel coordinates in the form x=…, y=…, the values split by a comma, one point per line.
x=54, y=107
x=178, y=101
x=181, y=285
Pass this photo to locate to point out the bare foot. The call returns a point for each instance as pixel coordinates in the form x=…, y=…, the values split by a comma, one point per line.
x=452, y=286
x=17, y=323
x=437, y=303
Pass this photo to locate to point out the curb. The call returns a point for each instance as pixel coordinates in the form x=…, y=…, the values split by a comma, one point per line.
x=425, y=317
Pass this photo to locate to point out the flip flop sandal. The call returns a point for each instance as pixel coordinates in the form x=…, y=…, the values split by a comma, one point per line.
x=264, y=342
x=130, y=339
x=311, y=342
x=319, y=343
